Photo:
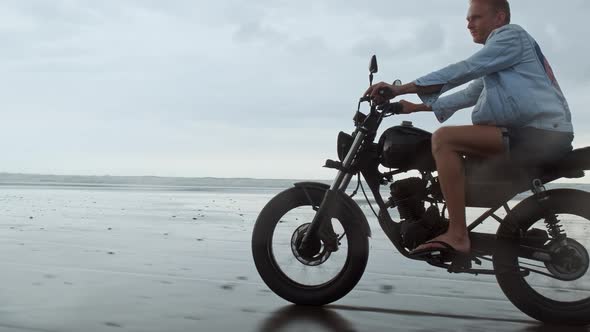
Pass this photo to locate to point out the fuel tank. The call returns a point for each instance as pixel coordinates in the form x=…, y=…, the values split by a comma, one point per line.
x=406, y=147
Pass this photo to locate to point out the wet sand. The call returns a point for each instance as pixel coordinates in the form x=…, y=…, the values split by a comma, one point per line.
x=145, y=260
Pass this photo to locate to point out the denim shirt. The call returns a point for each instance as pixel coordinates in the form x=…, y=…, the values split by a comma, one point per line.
x=512, y=85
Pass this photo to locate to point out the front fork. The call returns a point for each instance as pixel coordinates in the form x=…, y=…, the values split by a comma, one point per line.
x=321, y=225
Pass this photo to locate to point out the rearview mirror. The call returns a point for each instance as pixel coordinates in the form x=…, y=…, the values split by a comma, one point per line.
x=373, y=65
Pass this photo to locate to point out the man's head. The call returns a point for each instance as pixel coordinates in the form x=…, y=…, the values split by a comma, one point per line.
x=485, y=16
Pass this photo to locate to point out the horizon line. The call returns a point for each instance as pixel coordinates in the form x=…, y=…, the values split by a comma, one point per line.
x=156, y=176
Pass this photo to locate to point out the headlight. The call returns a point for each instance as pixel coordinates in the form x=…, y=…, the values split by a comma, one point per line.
x=344, y=144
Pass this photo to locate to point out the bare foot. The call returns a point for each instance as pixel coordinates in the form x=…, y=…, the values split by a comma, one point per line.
x=459, y=243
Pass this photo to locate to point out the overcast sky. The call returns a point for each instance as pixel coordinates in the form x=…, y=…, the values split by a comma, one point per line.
x=232, y=88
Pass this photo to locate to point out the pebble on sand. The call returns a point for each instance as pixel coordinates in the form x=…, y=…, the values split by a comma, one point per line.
x=386, y=289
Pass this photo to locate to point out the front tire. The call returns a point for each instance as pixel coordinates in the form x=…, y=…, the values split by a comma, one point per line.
x=354, y=255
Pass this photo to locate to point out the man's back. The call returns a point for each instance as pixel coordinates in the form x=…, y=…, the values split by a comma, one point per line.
x=525, y=94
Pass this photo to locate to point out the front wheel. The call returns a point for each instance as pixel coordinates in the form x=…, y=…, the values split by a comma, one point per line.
x=315, y=276
x=556, y=291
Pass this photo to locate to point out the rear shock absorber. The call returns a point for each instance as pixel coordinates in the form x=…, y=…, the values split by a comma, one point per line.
x=551, y=222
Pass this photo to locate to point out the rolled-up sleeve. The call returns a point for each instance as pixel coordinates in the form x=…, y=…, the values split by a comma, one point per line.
x=502, y=50
x=444, y=107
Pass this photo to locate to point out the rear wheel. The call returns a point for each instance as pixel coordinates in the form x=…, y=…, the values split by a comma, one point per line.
x=314, y=276
x=557, y=291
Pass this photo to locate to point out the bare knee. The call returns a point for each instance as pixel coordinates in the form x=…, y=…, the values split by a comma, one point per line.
x=441, y=140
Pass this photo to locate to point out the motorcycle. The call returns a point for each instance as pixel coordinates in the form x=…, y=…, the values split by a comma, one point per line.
x=315, y=227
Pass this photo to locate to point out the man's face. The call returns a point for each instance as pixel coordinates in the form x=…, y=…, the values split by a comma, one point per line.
x=482, y=20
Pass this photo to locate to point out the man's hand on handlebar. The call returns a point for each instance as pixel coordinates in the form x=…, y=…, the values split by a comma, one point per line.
x=403, y=107
x=381, y=92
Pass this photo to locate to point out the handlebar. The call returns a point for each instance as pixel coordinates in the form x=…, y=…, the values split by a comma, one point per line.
x=391, y=108
x=386, y=109
x=369, y=98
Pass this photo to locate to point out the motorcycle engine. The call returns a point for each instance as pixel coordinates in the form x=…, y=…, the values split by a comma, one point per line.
x=418, y=224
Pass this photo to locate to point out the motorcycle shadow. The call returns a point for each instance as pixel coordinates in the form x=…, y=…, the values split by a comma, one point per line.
x=530, y=325
x=552, y=328
x=296, y=318
x=326, y=319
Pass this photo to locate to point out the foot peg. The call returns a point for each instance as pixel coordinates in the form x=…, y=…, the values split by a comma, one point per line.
x=454, y=264
x=460, y=263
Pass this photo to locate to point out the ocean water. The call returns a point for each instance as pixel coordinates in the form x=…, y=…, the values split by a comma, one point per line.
x=153, y=191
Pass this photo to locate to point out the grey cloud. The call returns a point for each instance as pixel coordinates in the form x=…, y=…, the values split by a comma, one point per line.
x=429, y=37
x=392, y=11
x=375, y=45
x=309, y=44
x=272, y=38
x=258, y=31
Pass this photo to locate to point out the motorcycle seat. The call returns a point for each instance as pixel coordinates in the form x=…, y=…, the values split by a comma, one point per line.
x=492, y=181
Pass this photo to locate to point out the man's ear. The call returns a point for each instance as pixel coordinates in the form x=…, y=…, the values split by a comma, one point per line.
x=501, y=18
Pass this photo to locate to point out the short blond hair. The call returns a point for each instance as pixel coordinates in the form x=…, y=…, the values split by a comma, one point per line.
x=498, y=6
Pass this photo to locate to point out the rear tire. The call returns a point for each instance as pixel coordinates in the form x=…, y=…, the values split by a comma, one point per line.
x=275, y=278
x=517, y=288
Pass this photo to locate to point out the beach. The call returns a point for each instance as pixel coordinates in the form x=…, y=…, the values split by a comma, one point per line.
x=131, y=258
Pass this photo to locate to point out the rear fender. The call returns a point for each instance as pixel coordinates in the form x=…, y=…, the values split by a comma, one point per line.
x=344, y=201
x=578, y=159
x=530, y=209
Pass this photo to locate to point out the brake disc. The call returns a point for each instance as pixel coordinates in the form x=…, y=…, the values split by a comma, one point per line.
x=569, y=260
x=315, y=253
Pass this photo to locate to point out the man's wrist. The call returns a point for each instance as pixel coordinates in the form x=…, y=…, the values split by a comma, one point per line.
x=418, y=89
x=405, y=89
x=424, y=108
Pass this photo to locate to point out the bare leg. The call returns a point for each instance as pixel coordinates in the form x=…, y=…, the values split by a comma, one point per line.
x=448, y=145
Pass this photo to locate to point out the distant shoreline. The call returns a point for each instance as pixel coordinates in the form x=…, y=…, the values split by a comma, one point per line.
x=15, y=179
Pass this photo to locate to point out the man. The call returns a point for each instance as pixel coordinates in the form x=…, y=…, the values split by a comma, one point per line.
x=519, y=108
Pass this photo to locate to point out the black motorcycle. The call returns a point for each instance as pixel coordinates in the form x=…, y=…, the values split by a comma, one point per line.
x=310, y=242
